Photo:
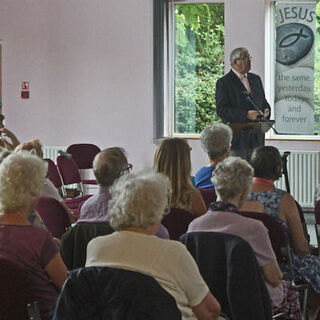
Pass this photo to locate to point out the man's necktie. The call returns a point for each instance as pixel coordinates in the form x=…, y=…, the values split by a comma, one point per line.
x=245, y=81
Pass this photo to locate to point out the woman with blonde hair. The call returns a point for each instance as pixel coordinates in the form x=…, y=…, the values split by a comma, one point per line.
x=172, y=158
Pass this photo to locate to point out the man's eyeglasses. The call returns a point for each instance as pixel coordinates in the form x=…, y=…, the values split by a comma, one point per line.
x=245, y=58
x=127, y=169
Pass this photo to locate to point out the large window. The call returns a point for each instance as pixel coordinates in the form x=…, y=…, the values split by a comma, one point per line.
x=188, y=60
x=198, y=53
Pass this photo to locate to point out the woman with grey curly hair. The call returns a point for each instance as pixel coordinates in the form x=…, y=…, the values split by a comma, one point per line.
x=232, y=179
x=32, y=248
x=138, y=203
x=216, y=142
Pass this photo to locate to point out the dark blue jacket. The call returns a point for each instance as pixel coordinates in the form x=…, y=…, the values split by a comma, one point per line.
x=229, y=267
x=101, y=293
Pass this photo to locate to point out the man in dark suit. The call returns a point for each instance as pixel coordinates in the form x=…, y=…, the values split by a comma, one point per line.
x=233, y=105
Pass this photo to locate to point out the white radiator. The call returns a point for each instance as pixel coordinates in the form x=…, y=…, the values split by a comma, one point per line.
x=51, y=152
x=304, y=176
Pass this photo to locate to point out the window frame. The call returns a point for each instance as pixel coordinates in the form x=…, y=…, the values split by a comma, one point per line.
x=168, y=112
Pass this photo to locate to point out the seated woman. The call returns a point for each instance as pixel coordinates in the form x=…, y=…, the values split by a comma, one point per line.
x=267, y=164
x=216, y=142
x=136, y=208
x=32, y=248
x=232, y=179
x=48, y=188
x=172, y=158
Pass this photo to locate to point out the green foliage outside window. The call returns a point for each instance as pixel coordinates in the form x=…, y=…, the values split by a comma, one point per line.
x=199, y=63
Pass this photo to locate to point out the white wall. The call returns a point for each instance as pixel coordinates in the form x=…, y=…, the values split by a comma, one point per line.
x=89, y=64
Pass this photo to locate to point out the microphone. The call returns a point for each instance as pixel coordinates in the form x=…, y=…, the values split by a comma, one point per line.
x=64, y=154
x=249, y=99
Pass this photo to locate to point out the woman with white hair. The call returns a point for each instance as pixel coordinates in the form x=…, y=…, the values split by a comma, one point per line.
x=136, y=208
x=232, y=179
x=216, y=142
x=21, y=179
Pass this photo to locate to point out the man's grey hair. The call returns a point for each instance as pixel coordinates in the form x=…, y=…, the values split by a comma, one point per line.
x=138, y=199
x=236, y=54
x=231, y=177
x=22, y=176
x=108, y=165
x=216, y=139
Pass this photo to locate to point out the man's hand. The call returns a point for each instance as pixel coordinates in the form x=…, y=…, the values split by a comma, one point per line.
x=252, y=115
x=6, y=133
x=266, y=113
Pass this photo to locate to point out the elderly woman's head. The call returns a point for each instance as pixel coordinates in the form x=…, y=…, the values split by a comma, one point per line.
x=108, y=165
x=216, y=140
x=21, y=179
x=266, y=162
x=138, y=199
x=232, y=177
x=31, y=145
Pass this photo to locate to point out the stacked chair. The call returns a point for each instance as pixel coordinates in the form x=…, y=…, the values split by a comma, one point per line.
x=78, y=157
x=53, y=214
x=83, y=154
x=73, y=203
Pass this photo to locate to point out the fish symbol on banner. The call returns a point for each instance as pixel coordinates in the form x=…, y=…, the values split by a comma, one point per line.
x=294, y=41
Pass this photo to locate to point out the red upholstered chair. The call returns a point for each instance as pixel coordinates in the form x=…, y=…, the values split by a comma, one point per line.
x=177, y=222
x=54, y=176
x=70, y=174
x=16, y=294
x=73, y=203
x=208, y=196
x=54, y=216
x=83, y=154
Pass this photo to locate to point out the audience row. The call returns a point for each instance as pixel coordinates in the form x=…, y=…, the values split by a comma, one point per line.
x=130, y=208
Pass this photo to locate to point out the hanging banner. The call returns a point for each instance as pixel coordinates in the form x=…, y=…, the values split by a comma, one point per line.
x=294, y=97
